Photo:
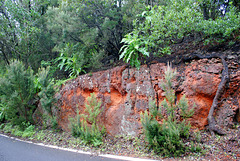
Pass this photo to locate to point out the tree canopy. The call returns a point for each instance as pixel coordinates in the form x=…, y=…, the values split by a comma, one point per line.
x=82, y=35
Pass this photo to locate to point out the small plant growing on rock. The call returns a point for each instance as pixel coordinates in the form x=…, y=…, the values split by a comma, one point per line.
x=166, y=137
x=93, y=109
x=85, y=125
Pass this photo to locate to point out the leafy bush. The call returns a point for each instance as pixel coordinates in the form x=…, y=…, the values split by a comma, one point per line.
x=85, y=125
x=95, y=37
x=220, y=29
x=50, y=121
x=2, y=69
x=29, y=131
x=40, y=135
x=54, y=123
x=132, y=50
x=7, y=128
x=93, y=109
x=167, y=137
x=158, y=27
x=45, y=87
x=72, y=60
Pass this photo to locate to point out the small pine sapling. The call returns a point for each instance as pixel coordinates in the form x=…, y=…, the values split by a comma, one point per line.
x=85, y=125
x=183, y=106
x=166, y=137
x=93, y=109
x=169, y=102
x=45, y=88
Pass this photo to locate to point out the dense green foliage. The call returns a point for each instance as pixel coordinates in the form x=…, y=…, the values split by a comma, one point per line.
x=160, y=27
x=20, y=92
x=85, y=126
x=45, y=87
x=166, y=137
x=88, y=33
x=23, y=33
x=78, y=36
x=132, y=49
x=25, y=130
x=17, y=92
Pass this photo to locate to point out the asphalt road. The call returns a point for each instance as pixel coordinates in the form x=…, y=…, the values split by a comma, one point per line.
x=13, y=150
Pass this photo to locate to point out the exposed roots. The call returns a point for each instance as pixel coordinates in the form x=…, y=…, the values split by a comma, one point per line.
x=224, y=80
x=221, y=87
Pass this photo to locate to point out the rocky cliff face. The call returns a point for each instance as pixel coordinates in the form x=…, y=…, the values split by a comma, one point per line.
x=124, y=93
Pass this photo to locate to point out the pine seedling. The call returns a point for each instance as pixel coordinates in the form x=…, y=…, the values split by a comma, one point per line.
x=166, y=137
x=85, y=125
x=183, y=106
x=169, y=102
x=93, y=109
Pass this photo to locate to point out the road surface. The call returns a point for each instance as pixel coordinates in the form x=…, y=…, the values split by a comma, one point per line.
x=14, y=150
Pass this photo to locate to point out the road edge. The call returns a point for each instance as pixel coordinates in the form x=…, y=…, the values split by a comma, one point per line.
x=80, y=151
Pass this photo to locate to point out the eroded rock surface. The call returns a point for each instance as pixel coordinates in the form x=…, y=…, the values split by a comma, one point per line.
x=124, y=93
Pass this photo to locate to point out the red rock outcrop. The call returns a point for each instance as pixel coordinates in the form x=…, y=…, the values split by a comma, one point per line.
x=124, y=93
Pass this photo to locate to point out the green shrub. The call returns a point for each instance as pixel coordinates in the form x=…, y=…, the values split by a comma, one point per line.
x=2, y=69
x=93, y=109
x=23, y=130
x=17, y=92
x=132, y=50
x=88, y=134
x=183, y=105
x=2, y=126
x=159, y=27
x=220, y=29
x=85, y=126
x=72, y=60
x=7, y=128
x=3, y=112
x=54, y=123
x=40, y=135
x=49, y=122
x=16, y=131
x=20, y=91
x=166, y=138
x=195, y=148
x=45, y=87
x=46, y=91
x=29, y=131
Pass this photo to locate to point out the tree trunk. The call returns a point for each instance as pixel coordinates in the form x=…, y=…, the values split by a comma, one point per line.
x=205, y=12
x=213, y=9
x=5, y=55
